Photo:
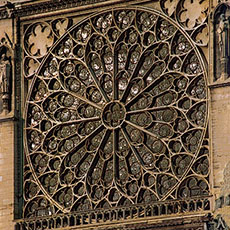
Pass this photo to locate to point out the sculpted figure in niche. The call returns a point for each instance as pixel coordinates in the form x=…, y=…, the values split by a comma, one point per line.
x=5, y=75
x=222, y=44
x=222, y=35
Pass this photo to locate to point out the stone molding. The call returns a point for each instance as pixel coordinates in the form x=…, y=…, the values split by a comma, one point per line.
x=188, y=222
x=10, y=9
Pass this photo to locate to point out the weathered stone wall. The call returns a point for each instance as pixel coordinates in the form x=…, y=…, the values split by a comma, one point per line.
x=6, y=143
x=220, y=125
x=6, y=175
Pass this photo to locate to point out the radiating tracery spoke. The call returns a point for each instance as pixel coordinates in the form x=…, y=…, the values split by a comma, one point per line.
x=117, y=114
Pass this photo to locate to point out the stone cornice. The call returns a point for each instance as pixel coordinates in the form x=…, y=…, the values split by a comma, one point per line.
x=180, y=222
x=191, y=223
x=220, y=84
x=53, y=5
x=25, y=8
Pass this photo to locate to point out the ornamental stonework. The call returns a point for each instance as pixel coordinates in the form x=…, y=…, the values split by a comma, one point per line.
x=221, y=42
x=5, y=75
x=116, y=114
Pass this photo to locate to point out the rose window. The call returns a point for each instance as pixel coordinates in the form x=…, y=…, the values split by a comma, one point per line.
x=117, y=115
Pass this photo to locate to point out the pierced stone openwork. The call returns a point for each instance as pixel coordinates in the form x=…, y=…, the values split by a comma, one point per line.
x=116, y=115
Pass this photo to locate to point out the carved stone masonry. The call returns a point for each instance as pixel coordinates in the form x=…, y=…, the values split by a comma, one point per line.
x=87, y=87
x=222, y=19
x=220, y=223
x=5, y=77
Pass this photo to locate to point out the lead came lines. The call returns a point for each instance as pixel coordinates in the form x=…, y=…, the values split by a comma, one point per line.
x=117, y=116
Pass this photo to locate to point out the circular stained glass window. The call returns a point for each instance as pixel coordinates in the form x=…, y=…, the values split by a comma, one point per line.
x=117, y=115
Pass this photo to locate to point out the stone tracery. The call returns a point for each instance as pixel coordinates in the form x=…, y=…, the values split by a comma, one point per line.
x=116, y=115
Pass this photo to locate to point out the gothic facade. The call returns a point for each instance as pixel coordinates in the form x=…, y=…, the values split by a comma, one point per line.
x=115, y=114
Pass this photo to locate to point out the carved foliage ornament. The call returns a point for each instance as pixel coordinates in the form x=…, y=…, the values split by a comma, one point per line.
x=116, y=115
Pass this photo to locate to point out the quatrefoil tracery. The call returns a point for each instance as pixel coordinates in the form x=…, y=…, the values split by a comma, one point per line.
x=117, y=115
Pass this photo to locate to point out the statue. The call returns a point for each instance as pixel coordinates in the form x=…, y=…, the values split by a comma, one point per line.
x=222, y=31
x=5, y=78
x=223, y=43
x=4, y=75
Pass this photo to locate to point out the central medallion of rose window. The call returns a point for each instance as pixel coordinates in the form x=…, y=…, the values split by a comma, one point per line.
x=113, y=114
x=117, y=116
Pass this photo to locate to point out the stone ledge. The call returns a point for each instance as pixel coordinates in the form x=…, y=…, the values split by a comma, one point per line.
x=8, y=117
x=26, y=8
